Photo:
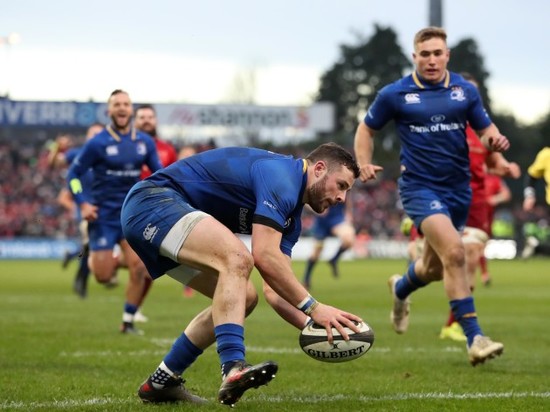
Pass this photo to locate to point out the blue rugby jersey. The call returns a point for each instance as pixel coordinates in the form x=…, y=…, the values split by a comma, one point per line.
x=116, y=162
x=239, y=186
x=431, y=121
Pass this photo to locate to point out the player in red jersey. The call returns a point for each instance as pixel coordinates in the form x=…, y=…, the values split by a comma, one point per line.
x=478, y=226
x=497, y=192
x=146, y=121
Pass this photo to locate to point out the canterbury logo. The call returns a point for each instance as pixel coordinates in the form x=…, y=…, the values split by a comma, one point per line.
x=149, y=232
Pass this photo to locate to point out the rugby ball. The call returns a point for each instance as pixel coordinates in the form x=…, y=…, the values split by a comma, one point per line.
x=314, y=342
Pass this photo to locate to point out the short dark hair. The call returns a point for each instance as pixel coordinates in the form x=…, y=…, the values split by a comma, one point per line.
x=146, y=106
x=117, y=91
x=334, y=155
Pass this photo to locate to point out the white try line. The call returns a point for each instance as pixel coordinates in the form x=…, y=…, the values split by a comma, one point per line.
x=76, y=404
x=252, y=349
x=409, y=396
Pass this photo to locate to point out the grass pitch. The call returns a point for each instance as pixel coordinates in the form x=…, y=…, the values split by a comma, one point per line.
x=61, y=353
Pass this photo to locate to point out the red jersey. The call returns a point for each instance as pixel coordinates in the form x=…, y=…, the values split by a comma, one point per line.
x=493, y=185
x=478, y=214
x=478, y=155
x=167, y=156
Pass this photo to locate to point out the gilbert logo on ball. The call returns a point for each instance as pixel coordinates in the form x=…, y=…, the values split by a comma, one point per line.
x=314, y=342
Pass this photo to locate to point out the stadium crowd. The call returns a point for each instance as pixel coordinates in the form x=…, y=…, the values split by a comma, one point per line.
x=29, y=188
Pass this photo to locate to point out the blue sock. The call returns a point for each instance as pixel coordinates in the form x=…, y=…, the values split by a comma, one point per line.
x=230, y=342
x=309, y=268
x=465, y=312
x=335, y=258
x=182, y=354
x=408, y=283
x=129, y=308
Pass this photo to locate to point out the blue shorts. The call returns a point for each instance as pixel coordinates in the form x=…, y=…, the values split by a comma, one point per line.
x=421, y=202
x=323, y=225
x=104, y=236
x=148, y=214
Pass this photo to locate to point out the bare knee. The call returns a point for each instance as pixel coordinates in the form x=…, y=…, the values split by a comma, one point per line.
x=240, y=263
x=455, y=256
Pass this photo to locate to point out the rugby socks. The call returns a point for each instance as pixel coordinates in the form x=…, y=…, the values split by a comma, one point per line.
x=129, y=312
x=161, y=376
x=338, y=254
x=230, y=345
x=408, y=283
x=181, y=356
x=83, y=268
x=451, y=319
x=465, y=313
x=309, y=269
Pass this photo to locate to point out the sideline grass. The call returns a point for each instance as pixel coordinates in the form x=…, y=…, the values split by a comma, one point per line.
x=58, y=352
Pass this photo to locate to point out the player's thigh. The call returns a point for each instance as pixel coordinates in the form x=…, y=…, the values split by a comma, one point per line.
x=444, y=239
x=211, y=245
x=345, y=232
x=103, y=264
x=131, y=258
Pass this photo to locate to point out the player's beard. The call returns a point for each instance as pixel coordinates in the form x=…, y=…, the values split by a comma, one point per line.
x=316, y=196
x=121, y=126
x=150, y=130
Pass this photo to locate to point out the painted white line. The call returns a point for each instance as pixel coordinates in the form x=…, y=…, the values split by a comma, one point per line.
x=410, y=396
x=64, y=404
x=75, y=404
x=166, y=344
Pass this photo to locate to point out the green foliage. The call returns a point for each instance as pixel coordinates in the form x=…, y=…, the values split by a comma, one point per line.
x=466, y=57
x=61, y=353
x=362, y=70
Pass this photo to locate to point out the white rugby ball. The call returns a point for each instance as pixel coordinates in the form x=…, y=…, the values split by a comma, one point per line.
x=314, y=342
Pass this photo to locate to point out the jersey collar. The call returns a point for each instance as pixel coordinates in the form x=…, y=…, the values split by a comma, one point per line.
x=116, y=136
x=419, y=83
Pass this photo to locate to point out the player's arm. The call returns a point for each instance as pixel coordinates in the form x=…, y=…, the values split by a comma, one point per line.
x=364, y=148
x=504, y=195
x=65, y=200
x=348, y=211
x=492, y=139
x=285, y=293
x=78, y=168
x=153, y=160
x=498, y=165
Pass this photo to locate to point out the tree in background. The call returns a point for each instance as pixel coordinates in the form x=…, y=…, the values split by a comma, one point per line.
x=466, y=57
x=354, y=80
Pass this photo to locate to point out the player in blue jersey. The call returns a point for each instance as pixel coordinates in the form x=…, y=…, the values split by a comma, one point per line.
x=182, y=222
x=65, y=198
x=116, y=156
x=431, y=108
x=338, y=222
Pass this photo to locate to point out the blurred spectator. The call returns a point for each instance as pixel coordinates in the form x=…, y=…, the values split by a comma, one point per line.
x=28, y=207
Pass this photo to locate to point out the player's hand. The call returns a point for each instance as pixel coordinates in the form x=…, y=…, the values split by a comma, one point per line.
x=331, y=317
x=513, y=170
x=88, y=211
x=368, y=172
x=498, y=143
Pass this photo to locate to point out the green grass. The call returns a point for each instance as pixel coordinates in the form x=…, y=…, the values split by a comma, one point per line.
x=58, y=352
